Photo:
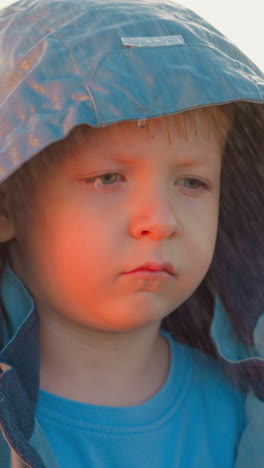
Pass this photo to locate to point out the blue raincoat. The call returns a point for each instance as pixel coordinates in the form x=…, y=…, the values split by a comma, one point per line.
x=69, y=62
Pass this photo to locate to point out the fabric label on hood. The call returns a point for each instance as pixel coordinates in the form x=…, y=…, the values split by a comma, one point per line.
x=152, y=41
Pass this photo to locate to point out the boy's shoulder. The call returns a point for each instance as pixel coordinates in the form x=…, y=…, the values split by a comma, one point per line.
x=208, y=381
x=211, y=397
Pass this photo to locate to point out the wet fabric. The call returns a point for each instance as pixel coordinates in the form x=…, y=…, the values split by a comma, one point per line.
x=100, y=78
x=67, y=62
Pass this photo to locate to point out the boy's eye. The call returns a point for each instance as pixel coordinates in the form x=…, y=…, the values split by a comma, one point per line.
x=109, y=179
x=192, y=183
x=98, y=179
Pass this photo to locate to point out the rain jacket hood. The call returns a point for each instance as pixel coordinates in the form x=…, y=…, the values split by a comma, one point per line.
x=69, y=62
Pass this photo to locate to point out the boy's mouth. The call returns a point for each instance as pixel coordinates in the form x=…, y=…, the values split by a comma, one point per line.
x=154, y=267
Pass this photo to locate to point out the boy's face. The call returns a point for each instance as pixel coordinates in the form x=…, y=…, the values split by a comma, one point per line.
x=160, y=203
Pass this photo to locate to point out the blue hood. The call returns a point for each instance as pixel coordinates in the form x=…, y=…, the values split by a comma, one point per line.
x=70, y=62
x=118, y=60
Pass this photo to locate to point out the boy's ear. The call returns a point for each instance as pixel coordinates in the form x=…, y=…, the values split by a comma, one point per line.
x=7, y=228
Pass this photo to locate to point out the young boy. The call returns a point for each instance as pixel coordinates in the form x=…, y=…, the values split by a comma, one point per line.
x=108, y=236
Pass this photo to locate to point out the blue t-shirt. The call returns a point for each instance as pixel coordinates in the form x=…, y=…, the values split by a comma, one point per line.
x=194, y=421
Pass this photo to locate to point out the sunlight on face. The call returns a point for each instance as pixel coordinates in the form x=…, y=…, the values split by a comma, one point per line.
x=121, y=196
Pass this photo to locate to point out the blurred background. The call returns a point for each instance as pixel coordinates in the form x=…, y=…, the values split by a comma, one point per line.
x=242, y=22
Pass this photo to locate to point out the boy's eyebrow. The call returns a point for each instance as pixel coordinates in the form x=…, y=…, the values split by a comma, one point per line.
x=134, y=159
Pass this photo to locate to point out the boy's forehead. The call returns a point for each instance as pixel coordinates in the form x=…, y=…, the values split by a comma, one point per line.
x=195, y=124
x=125, y=140
x=189, y=136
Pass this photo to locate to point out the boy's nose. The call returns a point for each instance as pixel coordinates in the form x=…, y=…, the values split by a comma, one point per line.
x=156, y=216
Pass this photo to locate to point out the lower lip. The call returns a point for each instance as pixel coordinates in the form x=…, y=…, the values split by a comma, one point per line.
x=149, y=275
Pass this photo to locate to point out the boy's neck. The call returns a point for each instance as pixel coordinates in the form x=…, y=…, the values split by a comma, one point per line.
x=110, y=369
